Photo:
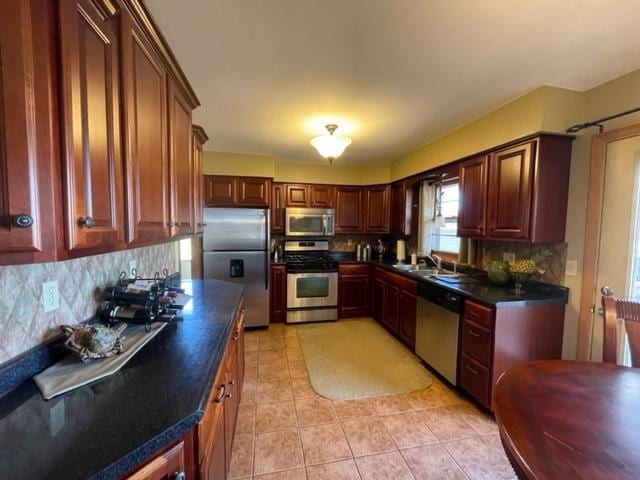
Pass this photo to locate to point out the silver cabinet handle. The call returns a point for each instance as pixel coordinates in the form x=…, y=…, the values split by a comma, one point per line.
x=22, y=220
x=472, y=370
x=220, y=397
x=179, y=476
x=86, y=222
x=473, y=334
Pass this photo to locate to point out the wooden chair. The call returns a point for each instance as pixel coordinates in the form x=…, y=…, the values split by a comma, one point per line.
x=627, y=310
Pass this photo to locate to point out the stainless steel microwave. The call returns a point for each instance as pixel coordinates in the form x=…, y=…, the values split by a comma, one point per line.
x=309, y=222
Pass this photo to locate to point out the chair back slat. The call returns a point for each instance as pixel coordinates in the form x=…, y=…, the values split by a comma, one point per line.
x=629, y=311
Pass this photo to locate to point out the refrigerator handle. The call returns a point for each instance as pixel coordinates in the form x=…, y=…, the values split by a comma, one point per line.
x=267, y=256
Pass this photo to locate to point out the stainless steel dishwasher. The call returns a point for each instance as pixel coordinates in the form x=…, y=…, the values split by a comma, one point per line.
x=437, y=329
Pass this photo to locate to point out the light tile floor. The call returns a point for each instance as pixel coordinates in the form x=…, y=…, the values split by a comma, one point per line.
x=286, y=431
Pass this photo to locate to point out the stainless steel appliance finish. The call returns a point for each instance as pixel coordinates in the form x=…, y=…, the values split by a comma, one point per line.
x=312, y=282
x=437, y=329
x=236, y=249
x=309, y=222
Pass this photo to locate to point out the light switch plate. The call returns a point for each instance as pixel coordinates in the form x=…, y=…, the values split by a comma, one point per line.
x=571, y=269
x=50, y=296
x=509, y=257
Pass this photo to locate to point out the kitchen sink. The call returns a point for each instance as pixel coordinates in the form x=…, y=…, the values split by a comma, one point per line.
x=415, y=268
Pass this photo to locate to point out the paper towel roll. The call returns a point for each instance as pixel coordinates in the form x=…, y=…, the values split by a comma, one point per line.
x=401, y=249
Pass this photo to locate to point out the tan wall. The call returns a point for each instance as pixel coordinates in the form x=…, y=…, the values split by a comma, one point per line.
x=222, y=163
x=546, y=108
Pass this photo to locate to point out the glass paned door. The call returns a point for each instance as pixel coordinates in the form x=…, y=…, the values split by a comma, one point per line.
x=619, y=249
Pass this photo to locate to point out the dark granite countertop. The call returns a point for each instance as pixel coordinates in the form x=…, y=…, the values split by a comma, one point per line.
x=477, y=286
x=105, y=429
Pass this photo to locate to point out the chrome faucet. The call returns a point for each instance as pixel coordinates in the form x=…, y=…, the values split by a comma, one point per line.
x=436, y=260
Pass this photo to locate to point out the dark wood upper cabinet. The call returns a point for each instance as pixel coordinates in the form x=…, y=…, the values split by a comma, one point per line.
x=181, y=170
x=297, y=195
x=27, y=147
x=90, y=100
x=277, y=208
x=199, y=138
x=376, y=209
x=253, y=191
x=348, y=209
x=472, y=208
x=147, y=161
x=220, y=190
x=510, y=189
x=321, y=196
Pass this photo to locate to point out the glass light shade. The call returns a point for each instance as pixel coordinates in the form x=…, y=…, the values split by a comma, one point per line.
x=439, y=222
x=330, y=146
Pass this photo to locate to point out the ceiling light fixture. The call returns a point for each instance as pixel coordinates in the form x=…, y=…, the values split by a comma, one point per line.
x=330, y=146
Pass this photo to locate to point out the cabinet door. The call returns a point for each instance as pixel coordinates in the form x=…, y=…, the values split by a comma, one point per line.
x=353, y=296
x=377, y=209
x=407, y=303
x=348, y=210
x=511, y=177
x=297, y=195
x=398, y=208
x=473, y=197
x=214, y=462
x=166, y=466
x=278, y=294
x=391, y=298
x=198, y=140
x=377, y=298
x=181, y=164
x=253, y=191
x=220, y=190
x=146, y=143
x=231, y=401
x=90, y=124
x=26, y=215
x=277, y=208
x=321, y=196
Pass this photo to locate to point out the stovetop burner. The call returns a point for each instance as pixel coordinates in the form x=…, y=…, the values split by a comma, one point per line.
x=309, y=257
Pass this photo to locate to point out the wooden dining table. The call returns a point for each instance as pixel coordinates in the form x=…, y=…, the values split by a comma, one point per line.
x=570, y=420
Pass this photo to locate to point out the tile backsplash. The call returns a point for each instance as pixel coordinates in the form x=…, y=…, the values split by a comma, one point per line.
x=23, y=322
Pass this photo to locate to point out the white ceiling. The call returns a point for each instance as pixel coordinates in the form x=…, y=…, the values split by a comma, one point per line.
x=394, y=74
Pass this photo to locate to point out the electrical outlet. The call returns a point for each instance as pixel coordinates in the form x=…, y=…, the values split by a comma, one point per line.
x=133, y=265
x=571, y=269
x=50, y=296
x=509, y=257
x=349, y=242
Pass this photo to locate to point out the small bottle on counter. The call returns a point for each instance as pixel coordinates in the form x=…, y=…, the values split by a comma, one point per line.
x=358, y=252
x=367, y=252
x=414, y=258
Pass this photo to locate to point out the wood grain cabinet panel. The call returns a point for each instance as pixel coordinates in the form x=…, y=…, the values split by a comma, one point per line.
x=27, y=151
x=166, y=466
x=377, y=294
x=348, y=217
x=391, y=299
x=199, y=138
x=253, y=191
x=353, y=291
x=90, y=100
x=407, y=308
x=277, y=208
x=510, y=191
x=181, y=164
x=146, y=142
x=220, y=190
x=376, y=209
x=297, y=195
x=321, y=196
x=473, y=197
x=403, y=218
x=278, y=293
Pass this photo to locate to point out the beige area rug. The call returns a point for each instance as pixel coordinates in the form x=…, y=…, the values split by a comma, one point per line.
x=358, y=358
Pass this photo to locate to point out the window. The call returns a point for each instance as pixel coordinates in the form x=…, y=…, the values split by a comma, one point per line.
x=445, y=239
x=439, y=239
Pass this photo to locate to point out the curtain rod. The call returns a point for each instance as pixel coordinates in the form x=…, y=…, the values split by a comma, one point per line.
x=598, y=123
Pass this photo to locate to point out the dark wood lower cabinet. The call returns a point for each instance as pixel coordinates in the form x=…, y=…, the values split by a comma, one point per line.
x=393, y=304
x=278, y=294
x=353, y=291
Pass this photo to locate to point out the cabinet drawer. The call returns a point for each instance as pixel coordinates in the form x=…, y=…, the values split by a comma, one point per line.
x=476, y=342
x=212, y=411
x=353, y=269
x=478, y=314
x=403, y=283
x=475, y=379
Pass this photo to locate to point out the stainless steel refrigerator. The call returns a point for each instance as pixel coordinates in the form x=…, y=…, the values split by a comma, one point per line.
x=235, y=248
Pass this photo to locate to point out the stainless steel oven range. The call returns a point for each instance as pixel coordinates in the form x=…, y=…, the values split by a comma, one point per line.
x=312, y=282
